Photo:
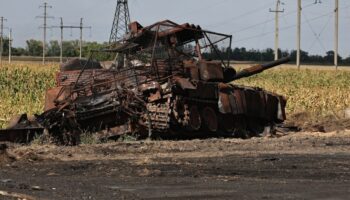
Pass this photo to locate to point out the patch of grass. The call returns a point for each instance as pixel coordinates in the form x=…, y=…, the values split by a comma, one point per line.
x=127, y=138
x=42, y=139
x=89, y=138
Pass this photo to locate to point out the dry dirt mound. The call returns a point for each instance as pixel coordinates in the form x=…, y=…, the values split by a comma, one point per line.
x=326, y=124
x=5, y=158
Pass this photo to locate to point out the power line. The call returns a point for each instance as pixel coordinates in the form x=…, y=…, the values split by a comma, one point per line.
x=286, y=27
x=277, y=11
x=10, y=45
x=336, y=33
x=81, y=35
x=262, y=31
x=96, y=5
x=235, y=18
x=269, y=20
x=238, y=17
x=81, y=27
x=2, y=19
x=317, y=39
x=44, y=27
x=299, y=8
x=203, y=8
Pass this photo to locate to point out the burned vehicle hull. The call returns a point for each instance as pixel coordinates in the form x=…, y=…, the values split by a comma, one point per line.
x=160, y=82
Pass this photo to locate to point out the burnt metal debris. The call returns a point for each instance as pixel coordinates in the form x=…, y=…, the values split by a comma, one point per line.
x=159, y=82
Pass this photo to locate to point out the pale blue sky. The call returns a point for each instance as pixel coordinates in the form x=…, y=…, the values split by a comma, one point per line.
x=249, y=21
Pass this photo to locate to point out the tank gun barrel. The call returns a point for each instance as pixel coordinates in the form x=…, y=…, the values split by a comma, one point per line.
x=260, y=68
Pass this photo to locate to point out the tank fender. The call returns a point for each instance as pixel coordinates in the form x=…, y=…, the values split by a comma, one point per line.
x=184, y=83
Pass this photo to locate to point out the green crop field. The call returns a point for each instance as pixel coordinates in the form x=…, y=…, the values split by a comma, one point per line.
x=22, y=89
x=317, y=91
x=320, y=92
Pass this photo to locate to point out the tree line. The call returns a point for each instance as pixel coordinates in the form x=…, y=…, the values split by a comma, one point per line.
x=35, y=48
x=71, y=49
x=242, y=54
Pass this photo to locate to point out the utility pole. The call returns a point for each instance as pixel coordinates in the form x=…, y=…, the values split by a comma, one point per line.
x=277, y=11
x=44, y=27
x=10, y=46
x=81, y=35
x=61, y=43
x=299, y=34
x=2, y=19
x=336, y=34
x=120, y=26
x=81, y=27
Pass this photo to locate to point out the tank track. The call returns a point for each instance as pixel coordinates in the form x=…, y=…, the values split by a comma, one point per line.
x=160, y=115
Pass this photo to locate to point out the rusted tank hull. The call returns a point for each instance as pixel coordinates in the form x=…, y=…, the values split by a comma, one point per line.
x=160, y=82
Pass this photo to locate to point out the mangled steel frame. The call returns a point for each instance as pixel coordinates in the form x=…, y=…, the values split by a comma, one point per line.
x=159, y=82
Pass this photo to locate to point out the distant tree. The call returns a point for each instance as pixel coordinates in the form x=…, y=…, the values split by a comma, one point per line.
x=346, y=61
x=329, y=58
x=89, y=46
x=5, y=47
x=236, y=54
x=34, y=47
x=285, y=53
x=70, y=49
x=229, y=52
x=19, y=51
x=267, y=55
x=304, y=56
x=315, y=59
x=54, y=48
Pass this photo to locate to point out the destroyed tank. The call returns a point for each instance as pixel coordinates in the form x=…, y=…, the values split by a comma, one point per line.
x=160, y=82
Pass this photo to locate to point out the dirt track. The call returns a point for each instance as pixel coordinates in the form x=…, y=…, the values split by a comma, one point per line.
x=296, y=166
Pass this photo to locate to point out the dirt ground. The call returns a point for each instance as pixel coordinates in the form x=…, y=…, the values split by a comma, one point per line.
x=303, y=165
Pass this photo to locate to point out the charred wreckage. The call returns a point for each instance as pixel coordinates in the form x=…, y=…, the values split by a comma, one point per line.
x=160, y=83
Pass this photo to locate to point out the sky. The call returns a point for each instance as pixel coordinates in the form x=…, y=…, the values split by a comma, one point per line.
x=249, y=21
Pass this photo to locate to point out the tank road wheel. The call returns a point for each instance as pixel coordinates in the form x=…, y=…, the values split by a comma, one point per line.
x=227, y=123
x=241, y=127
x=255, y=127
x=194, y=119
x=210, y=119
x=71, y=138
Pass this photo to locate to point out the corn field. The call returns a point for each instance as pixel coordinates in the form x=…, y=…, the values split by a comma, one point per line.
x=316, y=91
x=22, y=89
x=320, y=92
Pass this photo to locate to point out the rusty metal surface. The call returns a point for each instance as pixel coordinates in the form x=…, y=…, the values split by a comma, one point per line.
x=184, y=83
x=211, y=71
x=160, y=82
x=24, y=135
x=51, y=96
x=210, y=119
x=21, y=129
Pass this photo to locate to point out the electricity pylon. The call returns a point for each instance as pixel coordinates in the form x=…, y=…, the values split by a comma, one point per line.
x=120, y=22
